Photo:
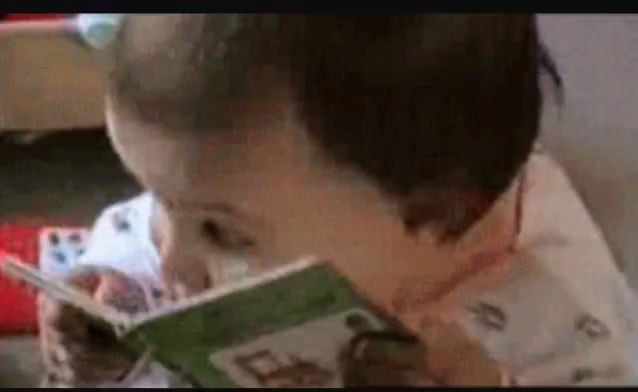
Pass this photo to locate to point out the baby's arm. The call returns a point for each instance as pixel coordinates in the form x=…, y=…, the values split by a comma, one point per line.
x=74, y=352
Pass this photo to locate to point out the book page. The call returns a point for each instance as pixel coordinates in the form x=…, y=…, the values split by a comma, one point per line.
x=301, y=356
x=285, y=329
x=59, y=291
x=244, y=284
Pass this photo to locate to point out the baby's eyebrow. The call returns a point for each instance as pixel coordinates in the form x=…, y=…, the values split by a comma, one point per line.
x=217, y=207
x=223, y=208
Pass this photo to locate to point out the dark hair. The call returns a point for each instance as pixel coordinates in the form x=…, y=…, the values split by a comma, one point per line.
x=440, y=111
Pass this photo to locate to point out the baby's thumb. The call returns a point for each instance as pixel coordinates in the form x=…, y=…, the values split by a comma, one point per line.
x=123, y=293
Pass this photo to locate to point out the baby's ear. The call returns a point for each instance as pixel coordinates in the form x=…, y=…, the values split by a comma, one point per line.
x=446, y=213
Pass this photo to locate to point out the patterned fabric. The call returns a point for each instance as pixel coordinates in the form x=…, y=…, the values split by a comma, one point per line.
x=121, y=238
x=60, y=248
x=562, y=313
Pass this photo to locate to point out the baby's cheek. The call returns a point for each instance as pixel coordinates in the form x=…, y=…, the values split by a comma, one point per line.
x=184, y=276
x=183, y=262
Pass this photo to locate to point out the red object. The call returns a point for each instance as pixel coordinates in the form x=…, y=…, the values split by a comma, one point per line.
x=24, y=17
x=18, y=308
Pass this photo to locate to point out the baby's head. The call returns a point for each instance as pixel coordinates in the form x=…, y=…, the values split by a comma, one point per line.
x=274, y=136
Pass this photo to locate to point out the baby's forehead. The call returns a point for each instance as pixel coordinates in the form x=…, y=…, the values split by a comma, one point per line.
x=182, y=71
x=157, y=158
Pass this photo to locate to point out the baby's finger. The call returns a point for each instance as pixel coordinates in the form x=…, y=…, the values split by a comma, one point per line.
x=102, y=364
x=87, y=281
x=123, y=294
x=71, y=323
x=57, y=319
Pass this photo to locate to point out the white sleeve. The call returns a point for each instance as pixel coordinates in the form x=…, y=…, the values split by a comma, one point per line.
x=119, y=240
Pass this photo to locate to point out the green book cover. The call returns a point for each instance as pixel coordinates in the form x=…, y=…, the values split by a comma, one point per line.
x=284, y=328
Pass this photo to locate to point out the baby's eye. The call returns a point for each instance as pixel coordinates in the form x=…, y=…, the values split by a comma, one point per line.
x=226, y=237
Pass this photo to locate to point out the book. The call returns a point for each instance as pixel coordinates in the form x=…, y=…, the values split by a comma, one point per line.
x=284, y=328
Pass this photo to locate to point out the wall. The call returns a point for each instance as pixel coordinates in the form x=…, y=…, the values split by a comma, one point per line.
x=596, y=136
x=49, y=81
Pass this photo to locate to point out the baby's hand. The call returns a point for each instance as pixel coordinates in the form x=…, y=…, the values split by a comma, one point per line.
x=77, y=352
x=456, y=360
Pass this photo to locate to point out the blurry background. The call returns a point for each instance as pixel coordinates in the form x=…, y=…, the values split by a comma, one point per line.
x=52, y=82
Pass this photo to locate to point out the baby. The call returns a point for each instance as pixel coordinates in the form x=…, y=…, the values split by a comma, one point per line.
x=399, y=148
